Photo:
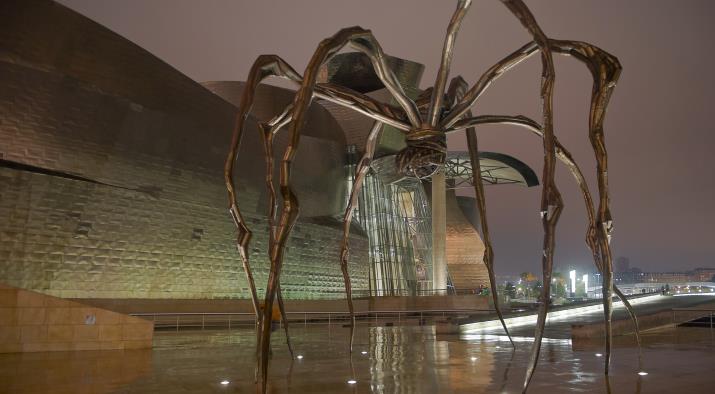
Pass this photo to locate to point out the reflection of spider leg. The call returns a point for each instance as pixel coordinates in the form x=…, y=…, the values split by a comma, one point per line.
x=359, y=39
x=284, y=317
x=457, y=88
x=362, y=168
x=551, y=202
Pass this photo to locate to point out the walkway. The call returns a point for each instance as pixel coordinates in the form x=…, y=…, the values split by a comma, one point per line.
x=560, y=328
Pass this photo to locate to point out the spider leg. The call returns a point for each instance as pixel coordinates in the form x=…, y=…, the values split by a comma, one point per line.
x=339, y=95
x=456, y=90
x=366, y=105
x=605, y=70
x=360, y=173
x=592, y=239
x=362, y=40
x=440, y=83
x=458, y=111
x=551, y=202
x=267, y=132
x=264, y=66
x=342, y=96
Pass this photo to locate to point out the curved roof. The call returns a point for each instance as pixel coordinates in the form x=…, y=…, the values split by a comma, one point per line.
x=497, y=169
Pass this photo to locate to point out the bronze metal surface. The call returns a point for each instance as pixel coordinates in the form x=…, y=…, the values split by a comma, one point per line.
x=426, y=150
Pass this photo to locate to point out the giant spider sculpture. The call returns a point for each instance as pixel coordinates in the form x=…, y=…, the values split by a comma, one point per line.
x=425, y=122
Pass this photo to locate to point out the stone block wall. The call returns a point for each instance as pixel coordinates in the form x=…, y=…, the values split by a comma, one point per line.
x=34, y=322
x=465, y=249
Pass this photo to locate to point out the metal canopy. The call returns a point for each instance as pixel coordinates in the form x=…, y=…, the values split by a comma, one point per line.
x=497, y=169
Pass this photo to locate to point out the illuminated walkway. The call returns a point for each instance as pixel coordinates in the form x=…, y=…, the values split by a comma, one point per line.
x=387, y=360
x=560, y=328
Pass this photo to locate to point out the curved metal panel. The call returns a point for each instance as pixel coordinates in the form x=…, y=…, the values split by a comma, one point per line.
x=110, y=171
x=319, y=172
x=497, y=168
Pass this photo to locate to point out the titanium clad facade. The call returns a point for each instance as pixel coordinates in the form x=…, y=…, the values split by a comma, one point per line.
x=111, y=182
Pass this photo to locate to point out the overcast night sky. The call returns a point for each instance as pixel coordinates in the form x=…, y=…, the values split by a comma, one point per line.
x=659, y=128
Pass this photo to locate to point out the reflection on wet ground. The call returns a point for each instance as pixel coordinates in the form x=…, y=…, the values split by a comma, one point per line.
x=406, y=359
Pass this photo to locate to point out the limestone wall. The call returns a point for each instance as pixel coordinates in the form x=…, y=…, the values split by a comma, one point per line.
x=34, y=322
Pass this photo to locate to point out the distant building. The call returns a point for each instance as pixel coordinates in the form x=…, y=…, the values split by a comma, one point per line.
x=631, y=275
x=703, y=275
x=666, y=277
x=634, y=275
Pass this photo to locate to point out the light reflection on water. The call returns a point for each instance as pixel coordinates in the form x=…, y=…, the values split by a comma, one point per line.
x=396, y=360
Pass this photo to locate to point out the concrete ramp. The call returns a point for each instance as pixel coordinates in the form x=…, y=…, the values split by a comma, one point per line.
x=646, y=321
x=34, y=322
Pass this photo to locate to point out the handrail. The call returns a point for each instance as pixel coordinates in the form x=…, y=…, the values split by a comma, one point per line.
x=419, y=293
x=403, y=311
x=309, y=317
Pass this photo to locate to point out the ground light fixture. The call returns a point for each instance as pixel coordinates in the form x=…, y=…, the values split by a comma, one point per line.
x=642, y=373
x=352, y=381
x=225, y=382
x=299, y=357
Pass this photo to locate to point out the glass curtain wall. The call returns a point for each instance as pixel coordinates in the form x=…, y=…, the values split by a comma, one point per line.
x=397, y=220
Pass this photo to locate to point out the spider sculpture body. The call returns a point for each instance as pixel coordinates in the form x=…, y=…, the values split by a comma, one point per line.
x=425, y=123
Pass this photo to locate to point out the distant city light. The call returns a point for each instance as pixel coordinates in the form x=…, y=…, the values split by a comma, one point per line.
x=585, y=284
x=572, y=276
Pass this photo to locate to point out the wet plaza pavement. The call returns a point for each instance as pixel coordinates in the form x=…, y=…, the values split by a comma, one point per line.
x=408, y=359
